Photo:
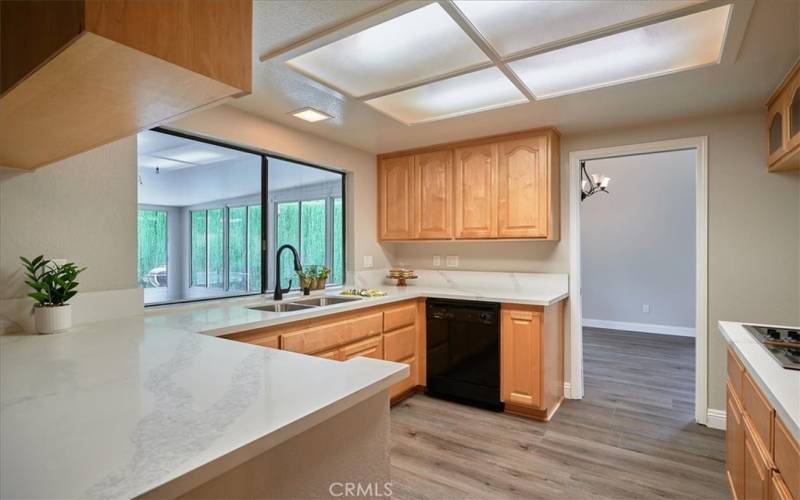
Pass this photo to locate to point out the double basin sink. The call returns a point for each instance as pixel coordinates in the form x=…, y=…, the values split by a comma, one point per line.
x=305, y=304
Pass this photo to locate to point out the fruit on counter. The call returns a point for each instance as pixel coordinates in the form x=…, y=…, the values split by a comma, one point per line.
x=363, y=292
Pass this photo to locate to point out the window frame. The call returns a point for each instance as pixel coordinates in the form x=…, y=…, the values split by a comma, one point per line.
x=265, y=228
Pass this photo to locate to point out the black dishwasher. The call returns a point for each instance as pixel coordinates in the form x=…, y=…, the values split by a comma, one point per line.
x=463, y=347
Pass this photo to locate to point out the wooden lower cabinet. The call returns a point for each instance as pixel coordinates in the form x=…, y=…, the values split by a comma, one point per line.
x=531, y=359
x=404, y=342
x=763, y=458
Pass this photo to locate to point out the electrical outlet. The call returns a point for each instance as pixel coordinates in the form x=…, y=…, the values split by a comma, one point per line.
x=368, y=263
x=645, y=308
x=451, y=261
x=437, y=261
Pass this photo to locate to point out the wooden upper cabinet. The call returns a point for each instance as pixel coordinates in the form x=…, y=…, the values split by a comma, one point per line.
x=433, y=198
x=783, y=123
x=476, y=192
x=80, y=74
x=395, y=198
x=522, y=188
x=503, y=187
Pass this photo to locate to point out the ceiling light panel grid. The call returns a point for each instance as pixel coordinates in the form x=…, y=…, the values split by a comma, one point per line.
x=465, y=56
x=412, y=48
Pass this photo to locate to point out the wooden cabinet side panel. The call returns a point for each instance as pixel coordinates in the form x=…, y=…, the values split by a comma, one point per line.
x=554, y=200
x=520, y=355
x=523, y=186
x=209, y=37
x=475, y=190
x=552, y=382
x=31, y=32
x=433, y=199
x=395, y=198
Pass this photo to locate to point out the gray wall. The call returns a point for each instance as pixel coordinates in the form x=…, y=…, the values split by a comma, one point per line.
x=638, y=242
x=82, y=209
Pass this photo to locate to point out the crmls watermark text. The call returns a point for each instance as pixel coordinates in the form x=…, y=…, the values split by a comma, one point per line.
x=360, y=489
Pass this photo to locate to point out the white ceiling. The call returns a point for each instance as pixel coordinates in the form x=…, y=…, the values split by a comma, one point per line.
x=769, y=45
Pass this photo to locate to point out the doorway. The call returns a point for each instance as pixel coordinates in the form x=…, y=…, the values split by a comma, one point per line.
x=690, y=149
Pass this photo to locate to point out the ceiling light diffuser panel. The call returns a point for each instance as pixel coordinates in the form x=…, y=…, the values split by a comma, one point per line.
x=469, y=93
x=675, y=45
x=411, y=48
x=512, y=26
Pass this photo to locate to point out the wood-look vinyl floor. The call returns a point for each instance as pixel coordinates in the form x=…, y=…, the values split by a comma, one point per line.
x=632, y=436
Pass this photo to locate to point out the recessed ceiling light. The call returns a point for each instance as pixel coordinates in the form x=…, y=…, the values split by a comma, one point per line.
x=511, y=26
x=460, y=95
x=422, y=44
x=311, y=115
x=658, y=49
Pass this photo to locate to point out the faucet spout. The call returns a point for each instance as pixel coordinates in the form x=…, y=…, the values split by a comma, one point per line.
x=298, y=267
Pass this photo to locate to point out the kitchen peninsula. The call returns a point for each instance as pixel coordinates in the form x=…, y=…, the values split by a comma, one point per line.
x=148, y=406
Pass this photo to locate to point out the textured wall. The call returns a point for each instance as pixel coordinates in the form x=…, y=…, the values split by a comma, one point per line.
x=82, y=209
x=638, y=243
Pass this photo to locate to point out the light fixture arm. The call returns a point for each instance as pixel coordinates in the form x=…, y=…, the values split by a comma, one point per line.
x=589, y=186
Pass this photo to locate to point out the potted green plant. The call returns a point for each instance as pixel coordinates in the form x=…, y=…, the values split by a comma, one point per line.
x=307, y=277
x=322, y=277
x=53, y=285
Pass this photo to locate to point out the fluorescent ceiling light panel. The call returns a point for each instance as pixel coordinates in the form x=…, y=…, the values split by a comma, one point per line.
x=311, y=115
x=196, y=154
x=512, y=26
x=654, y=50
x=422, y=44
x=460, y=95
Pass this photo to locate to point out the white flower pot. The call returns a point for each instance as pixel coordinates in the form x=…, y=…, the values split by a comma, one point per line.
x=52, y=319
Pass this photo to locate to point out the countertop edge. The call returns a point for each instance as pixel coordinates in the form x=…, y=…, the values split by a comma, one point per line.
x=784, y=415
x=186, y=481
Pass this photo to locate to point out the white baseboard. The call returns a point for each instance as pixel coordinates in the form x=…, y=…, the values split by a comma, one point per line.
x=567, y=390
x=640, y=327
x=715, y=419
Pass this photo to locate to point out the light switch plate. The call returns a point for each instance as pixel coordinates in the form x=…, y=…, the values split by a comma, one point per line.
x=368, y=262
x=437, y=261
x=451, y=261
x=645, y=308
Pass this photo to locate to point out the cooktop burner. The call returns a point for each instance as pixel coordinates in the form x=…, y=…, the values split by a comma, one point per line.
x=782, y=343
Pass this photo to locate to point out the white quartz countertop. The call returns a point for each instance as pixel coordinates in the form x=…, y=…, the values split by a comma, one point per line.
x=232, y=315
x=121, y=407
x=779, y=385
x=118, y=408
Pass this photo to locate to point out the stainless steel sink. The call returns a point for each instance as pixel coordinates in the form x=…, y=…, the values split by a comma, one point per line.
x=283, y=307
x=325, y=301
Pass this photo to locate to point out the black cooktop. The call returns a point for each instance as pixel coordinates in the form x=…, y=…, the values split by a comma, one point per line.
x=782, y=343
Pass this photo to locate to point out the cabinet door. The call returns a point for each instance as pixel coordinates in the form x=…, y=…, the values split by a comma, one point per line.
x=433, y=200
x=520, y=357
x=778, y=489
x=523, y=188
x=476, y=192
x=793, y=112
x=395, y=198
x=734, y=446
x=776, y=130
x=756, y=470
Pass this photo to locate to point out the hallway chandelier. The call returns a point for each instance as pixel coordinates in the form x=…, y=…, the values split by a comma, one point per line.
x=593, y=184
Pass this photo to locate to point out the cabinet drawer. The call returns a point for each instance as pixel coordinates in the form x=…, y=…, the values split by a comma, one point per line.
x=369, y=348
x=399, y=317
x=407, y=383
x=735, y=371
x=315, y=339
x=786, y=453
x=758, y=409
x=778, y=489
x=399, y=344
x=333, y=354
x=366, y=325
